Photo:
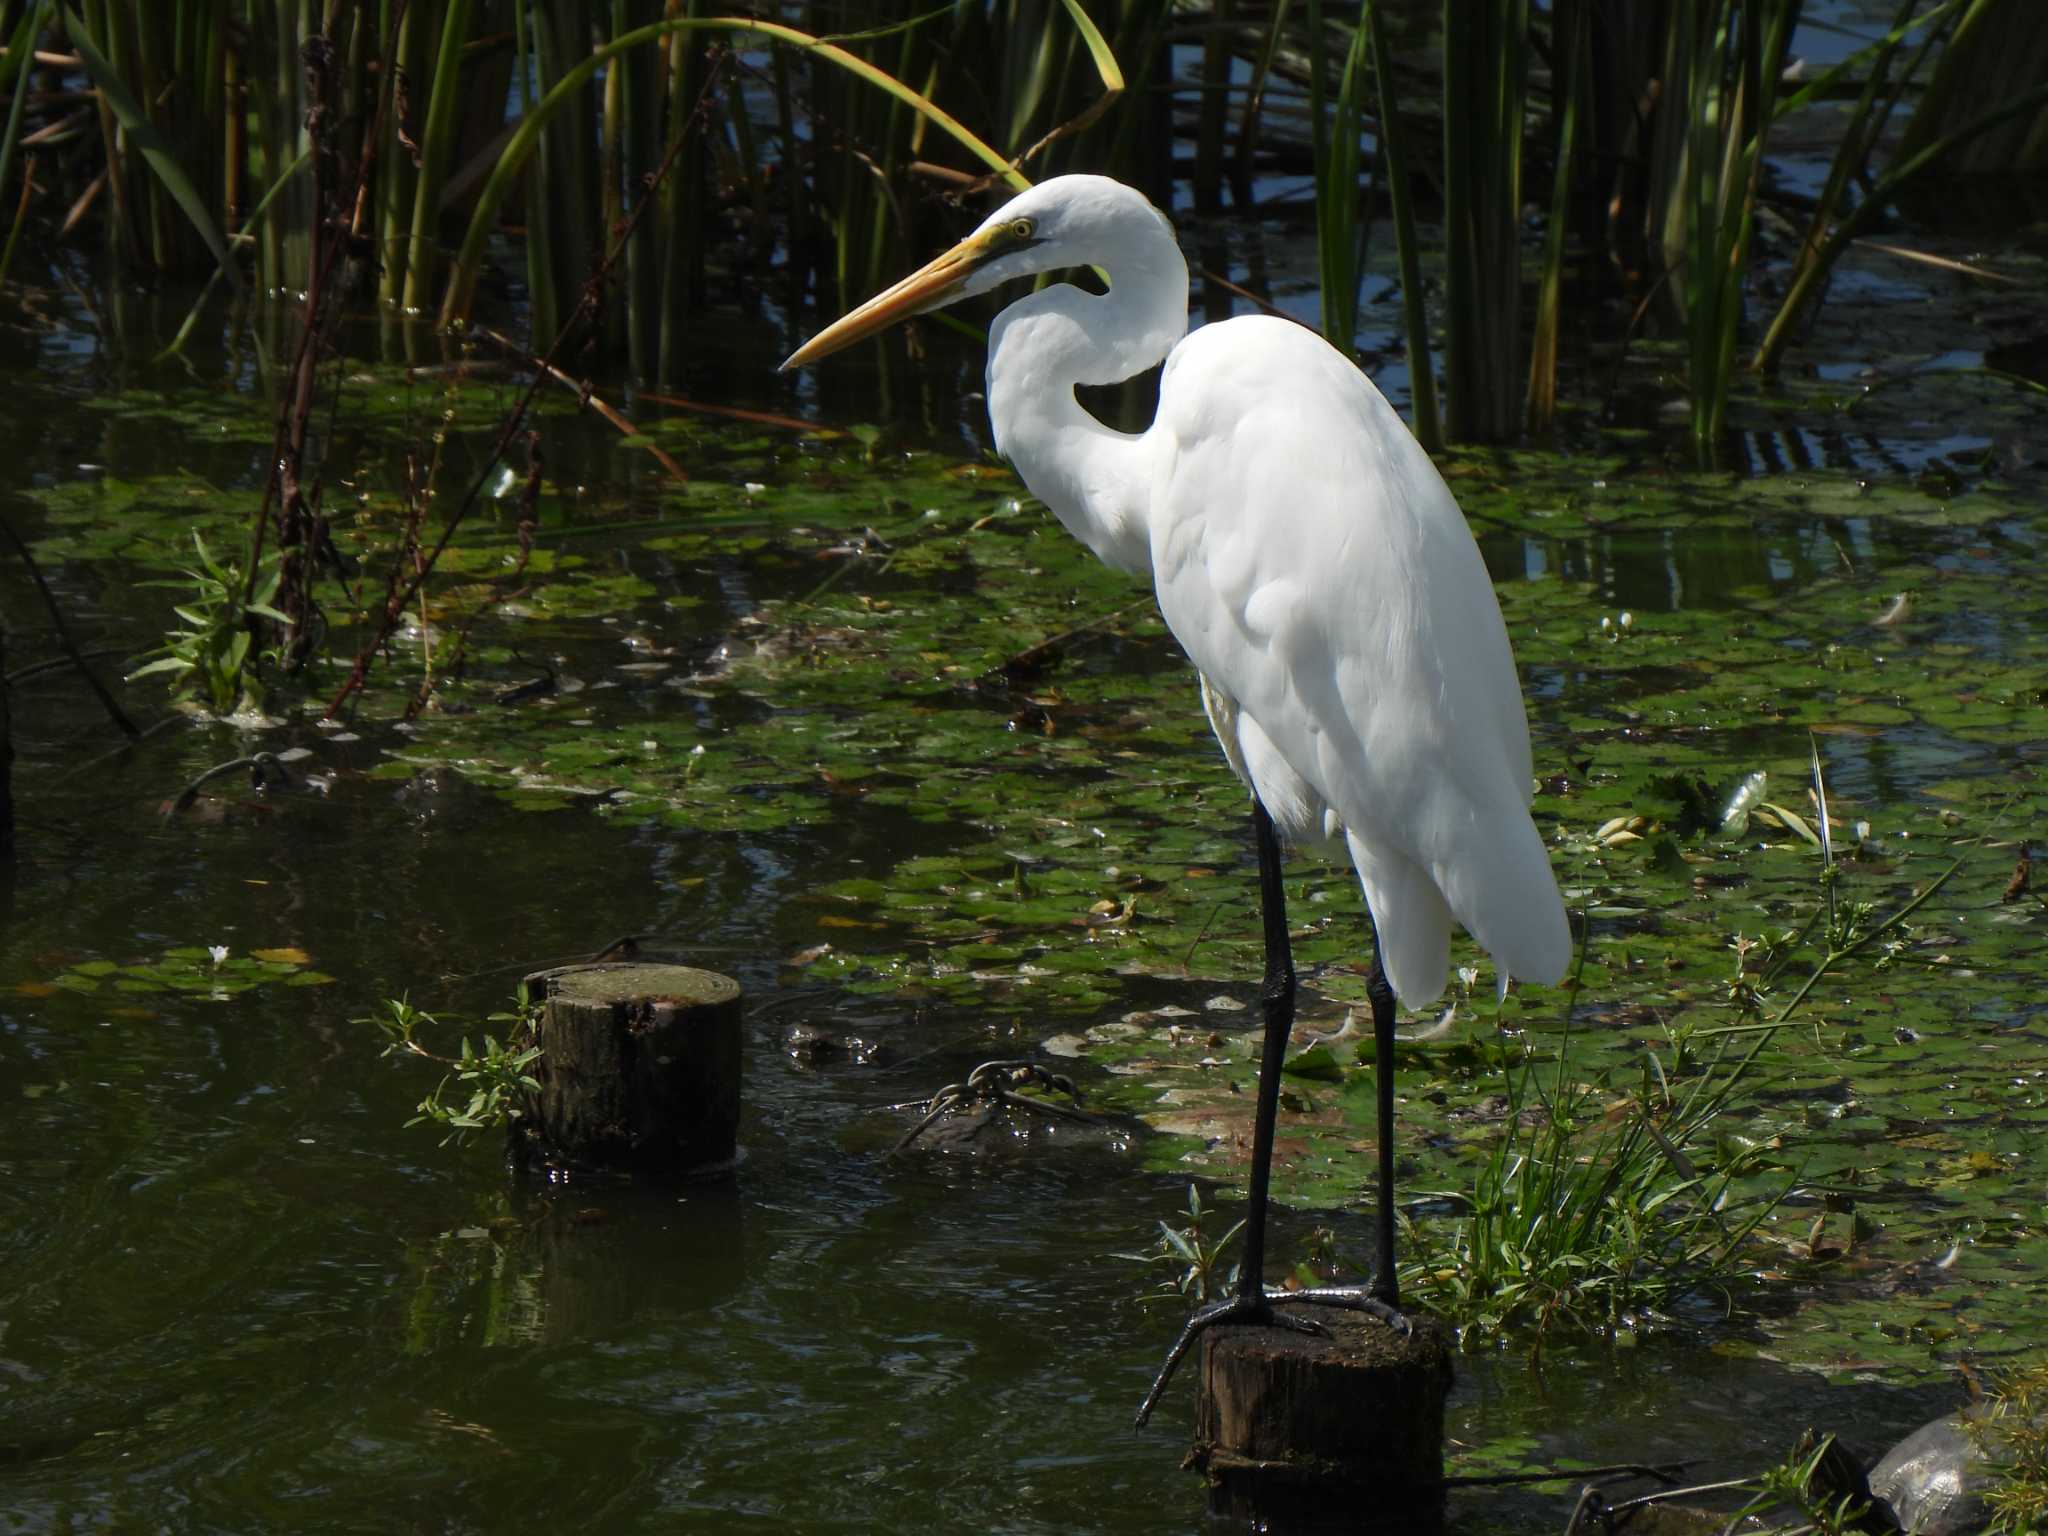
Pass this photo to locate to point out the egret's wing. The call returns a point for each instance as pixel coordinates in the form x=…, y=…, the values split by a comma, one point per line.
x=1317, y=570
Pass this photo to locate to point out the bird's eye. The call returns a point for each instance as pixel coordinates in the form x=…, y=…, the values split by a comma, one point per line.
x=1022, y=228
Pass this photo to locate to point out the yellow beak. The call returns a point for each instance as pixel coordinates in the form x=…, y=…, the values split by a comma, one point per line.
x=928, y=287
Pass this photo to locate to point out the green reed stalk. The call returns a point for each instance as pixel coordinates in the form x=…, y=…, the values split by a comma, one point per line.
x=1994, y=52
x=1394, y=160
x=611, y=179
x=641, y=114
x=1254, y=106
x=542, y=316
x=1805, y=288
x=1732, y=94
x=15, y=71
x=1485, y=52
x=396, y=174
x=1340, y=230
x=1570, y=47
x=1859, y=135
x=437, y=144
x=512, y=160
x=566, y=174
x=681, y=242
x=155, y=153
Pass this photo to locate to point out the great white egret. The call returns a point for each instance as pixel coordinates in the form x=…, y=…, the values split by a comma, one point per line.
x=1317, y=571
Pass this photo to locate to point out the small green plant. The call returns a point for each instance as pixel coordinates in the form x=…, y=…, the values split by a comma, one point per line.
x=1807, y=1484
x=2012, y=1433
x=495, y=1076
x=210, y=655
x=1191, y=1252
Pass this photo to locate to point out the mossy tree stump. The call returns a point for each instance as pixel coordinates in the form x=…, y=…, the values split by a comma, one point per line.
x=639, y=1070
x=1341, y=1430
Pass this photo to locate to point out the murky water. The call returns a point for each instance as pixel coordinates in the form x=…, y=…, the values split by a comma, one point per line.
x=236, y=1294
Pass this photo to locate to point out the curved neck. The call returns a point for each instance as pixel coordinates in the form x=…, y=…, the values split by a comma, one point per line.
x=1093, y=478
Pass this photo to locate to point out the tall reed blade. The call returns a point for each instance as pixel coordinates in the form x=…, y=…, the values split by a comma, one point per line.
x=1569, y=47
x=1485, y=51
x=1394, y=166
x=1340, y=223
x=436, y=141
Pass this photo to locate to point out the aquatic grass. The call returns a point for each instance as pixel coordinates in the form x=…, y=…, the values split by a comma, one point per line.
x=435, y=135
x=1571, y=66
x=1995, y=52
x=1591, y=1214
x=1865, y=123
x=1212, y=102
x=1342, y=221
x=461, y=290
x=156, y=151
x=1805, y=1484
x=2010, y=1431
x=200, y=99
x=1806, y=285
x=1401, y=198
x=1734, y=61
x=14, y=73
x=1486, y=51
x=1587, y=1214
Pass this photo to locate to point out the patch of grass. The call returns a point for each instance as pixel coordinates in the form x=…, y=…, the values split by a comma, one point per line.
x=2012, y=1432
x=1591, y=1212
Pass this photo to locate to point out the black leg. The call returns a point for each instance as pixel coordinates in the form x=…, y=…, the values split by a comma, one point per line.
x=1386, y=1285
x=1381, y=1299
x=1276, y=993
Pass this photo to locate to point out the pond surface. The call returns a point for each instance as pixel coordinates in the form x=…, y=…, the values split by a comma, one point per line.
x=238, y=1294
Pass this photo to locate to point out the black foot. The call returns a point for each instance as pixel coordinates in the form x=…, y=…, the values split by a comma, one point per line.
x=1354, y=1298
x=1253, y=1310
x=1259, y=1311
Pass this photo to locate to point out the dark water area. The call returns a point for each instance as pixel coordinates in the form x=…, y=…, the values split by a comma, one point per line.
x=237, y=1293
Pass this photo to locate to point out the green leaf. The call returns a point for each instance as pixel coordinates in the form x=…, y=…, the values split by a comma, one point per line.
x=165, y=664
x=143, y=135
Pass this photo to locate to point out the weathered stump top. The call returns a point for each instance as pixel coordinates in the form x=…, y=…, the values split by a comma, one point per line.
x=603, y=985
x=1344, y=1338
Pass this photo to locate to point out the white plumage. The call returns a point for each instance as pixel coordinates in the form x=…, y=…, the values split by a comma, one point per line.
x=1312, y=563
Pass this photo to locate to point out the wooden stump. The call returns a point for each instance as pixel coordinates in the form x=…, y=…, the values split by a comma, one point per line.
x=639, y=1070
x=1337, y=1431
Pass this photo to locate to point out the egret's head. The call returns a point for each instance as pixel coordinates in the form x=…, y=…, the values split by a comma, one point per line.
x=1069, y=221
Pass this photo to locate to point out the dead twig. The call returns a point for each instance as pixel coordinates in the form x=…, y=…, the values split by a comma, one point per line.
x=260, y=765
x=70, y=648
x=529, y=520
x=990, y=1084
x=588, y=397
